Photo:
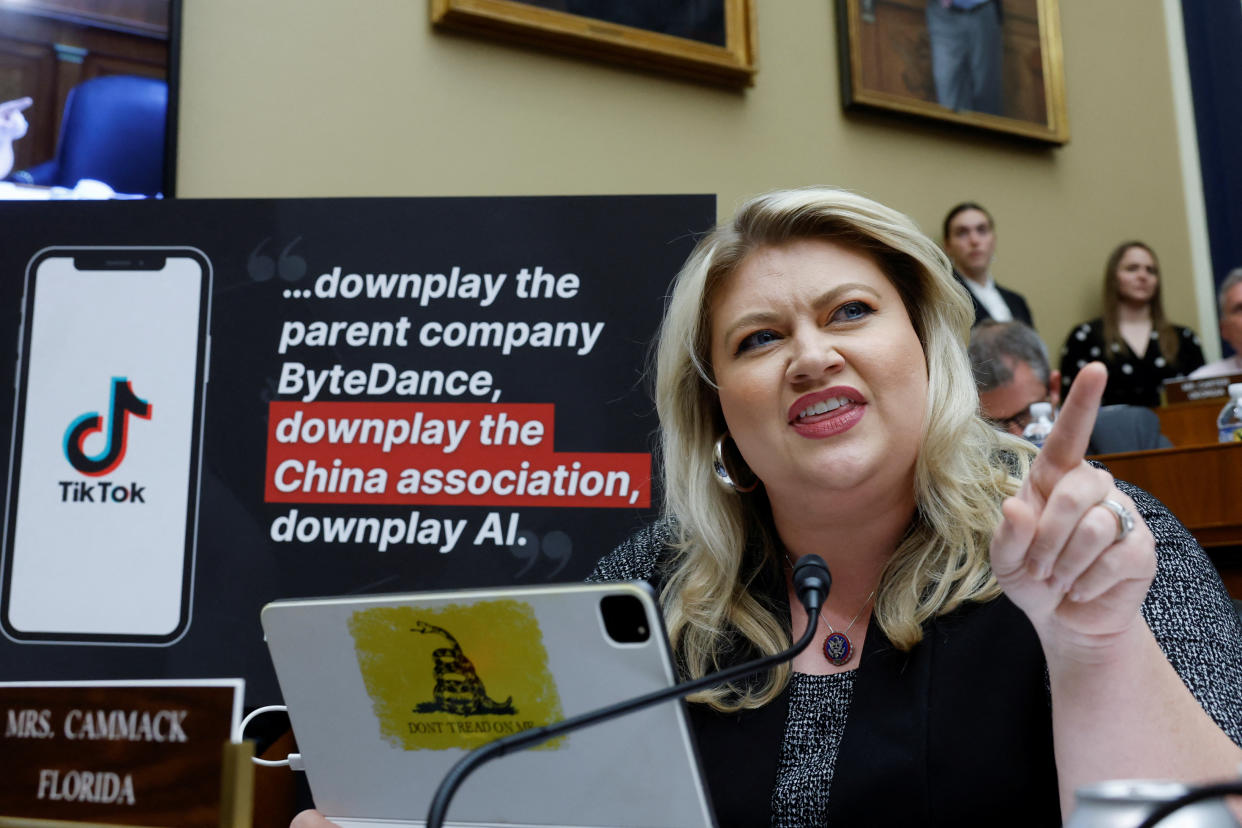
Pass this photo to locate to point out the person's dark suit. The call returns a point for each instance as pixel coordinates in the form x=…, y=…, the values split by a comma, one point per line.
x=1017, y=305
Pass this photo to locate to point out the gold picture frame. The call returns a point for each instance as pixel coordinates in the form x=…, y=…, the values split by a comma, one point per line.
x=887, y=56
x=714, y=42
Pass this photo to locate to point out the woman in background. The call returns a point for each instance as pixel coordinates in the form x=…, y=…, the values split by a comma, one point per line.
x=1140, y=347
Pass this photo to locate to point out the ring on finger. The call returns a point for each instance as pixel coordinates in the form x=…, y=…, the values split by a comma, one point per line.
x=1125, y=520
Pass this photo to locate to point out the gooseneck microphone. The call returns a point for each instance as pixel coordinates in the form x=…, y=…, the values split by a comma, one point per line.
x=811, y=581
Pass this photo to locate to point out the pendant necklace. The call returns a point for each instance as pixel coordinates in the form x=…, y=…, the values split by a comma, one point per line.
x=838, y=648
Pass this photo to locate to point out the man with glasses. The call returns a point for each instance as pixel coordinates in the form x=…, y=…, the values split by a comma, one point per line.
x=1012, y=373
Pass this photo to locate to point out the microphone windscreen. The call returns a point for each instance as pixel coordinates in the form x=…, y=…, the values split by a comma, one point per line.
x=811, y=581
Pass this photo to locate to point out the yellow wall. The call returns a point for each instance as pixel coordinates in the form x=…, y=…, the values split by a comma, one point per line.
x=285, y=98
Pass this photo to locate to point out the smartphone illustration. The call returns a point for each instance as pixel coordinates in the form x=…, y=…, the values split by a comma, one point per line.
x=101, y=513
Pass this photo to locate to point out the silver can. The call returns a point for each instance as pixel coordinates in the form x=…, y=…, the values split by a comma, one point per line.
x=1124, y=803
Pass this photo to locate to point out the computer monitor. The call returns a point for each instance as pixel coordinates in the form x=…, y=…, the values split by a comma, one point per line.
x=103, y=81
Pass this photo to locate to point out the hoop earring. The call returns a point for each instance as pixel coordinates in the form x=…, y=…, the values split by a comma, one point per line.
x=722, y=472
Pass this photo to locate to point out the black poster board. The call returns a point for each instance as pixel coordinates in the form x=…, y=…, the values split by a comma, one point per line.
x=555, y=350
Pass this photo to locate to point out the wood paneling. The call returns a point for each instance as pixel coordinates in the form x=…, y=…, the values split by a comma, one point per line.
x=1190, y=423
x=49, y=46
x=1201, y=485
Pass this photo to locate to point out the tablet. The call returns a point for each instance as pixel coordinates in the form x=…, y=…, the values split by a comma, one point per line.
x=385, y=694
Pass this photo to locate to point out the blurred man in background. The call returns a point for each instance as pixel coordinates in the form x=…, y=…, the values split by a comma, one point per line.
x=970, y=241
x=1230, y=304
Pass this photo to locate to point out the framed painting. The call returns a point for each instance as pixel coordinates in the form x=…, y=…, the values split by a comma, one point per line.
x=990, y=64
x=708, y=40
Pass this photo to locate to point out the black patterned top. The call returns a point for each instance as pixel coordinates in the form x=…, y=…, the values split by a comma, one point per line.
x=1132, y=379
x=1187, y=608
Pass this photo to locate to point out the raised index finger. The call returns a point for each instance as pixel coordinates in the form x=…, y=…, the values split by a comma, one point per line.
x=1067, y=444
x=16, y=105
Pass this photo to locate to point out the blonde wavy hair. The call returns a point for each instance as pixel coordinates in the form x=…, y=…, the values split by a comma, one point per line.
x=964, y=469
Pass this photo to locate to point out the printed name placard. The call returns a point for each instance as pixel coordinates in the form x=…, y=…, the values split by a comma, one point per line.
x=1184, y=390
x=125, y=753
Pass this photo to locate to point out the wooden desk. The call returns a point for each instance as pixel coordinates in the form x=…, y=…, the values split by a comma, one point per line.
x=1190, y=423
x=1202, y=486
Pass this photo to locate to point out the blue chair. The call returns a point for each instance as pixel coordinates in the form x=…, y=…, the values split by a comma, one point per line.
x=1120, y=428
x=112, y=131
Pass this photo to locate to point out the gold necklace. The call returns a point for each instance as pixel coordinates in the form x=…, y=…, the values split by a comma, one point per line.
x=838, y=648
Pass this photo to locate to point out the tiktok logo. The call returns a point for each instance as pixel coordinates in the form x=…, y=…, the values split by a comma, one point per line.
x=124, y=403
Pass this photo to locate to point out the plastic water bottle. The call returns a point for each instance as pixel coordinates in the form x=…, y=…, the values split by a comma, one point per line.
x=1040, y=426
x=1229, y=423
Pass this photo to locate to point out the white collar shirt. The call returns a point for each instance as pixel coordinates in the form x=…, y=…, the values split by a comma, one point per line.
x=990, y=298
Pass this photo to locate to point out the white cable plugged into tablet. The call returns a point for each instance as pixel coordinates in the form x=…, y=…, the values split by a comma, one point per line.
x=293, y=761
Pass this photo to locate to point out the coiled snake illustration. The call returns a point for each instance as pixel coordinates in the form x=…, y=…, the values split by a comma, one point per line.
x=459, y=690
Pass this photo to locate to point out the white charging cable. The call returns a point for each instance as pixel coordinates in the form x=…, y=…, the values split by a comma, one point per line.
x=293, y=761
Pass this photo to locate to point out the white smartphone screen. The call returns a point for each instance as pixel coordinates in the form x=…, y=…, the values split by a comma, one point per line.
x=100, y=530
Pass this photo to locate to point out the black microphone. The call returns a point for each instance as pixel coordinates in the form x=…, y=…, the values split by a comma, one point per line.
x=811, y=584
x=811, y=581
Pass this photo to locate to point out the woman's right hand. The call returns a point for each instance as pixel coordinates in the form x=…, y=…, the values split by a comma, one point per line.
x=1060, y=556
x=12, y=122
x=311, y=819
